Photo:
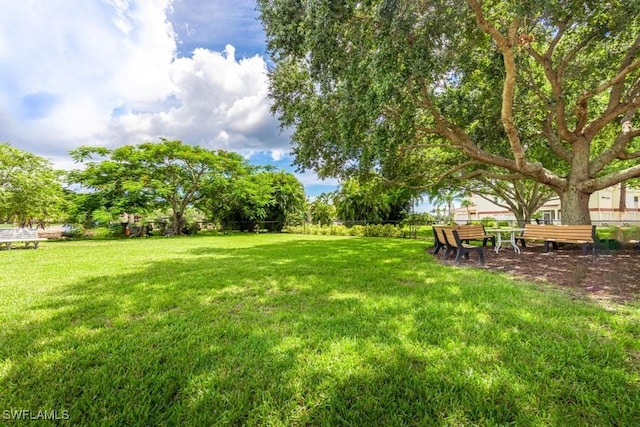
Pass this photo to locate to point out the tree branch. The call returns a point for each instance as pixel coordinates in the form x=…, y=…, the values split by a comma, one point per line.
x=630, y=156
x=493, y=175
x=505, y=45
x=556, y=77
x=610, y=179
x=619, y=107
x=554, y=142
x=462, y=141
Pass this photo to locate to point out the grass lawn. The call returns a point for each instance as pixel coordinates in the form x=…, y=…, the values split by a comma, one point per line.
x=301, y=330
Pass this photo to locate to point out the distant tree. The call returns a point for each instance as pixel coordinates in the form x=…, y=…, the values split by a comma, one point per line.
x=522, y=197
x=357, y=202
x=321, y=210
x=466, y=203
x=240, y=200
x=252, y=195
x=445, y=198
x=30, y=188
x=400, y=201
x=372, y=201
x=167, y=174
x=287, y=198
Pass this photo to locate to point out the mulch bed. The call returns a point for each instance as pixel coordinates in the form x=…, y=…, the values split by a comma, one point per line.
x=612, y=275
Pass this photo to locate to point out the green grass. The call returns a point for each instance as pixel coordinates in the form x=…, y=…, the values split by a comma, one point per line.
x=302, y=330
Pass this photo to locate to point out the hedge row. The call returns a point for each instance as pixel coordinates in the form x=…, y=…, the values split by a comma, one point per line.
x=375, y=230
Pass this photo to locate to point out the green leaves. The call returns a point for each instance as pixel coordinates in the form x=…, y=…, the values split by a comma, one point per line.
x=255, y=195
x=419, y=90
x=167, y=174
x=30, y=189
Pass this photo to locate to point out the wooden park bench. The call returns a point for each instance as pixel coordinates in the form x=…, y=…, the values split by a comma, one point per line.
x=551, y=235
x=454, y=242
x=13, y=235
x=471, y=232
x=467, y=233
x=438, y=237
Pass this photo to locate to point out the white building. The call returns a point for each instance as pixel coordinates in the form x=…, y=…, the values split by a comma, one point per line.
x=603, y=205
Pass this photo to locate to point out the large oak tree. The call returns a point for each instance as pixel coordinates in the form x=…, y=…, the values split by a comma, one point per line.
x=420, y=89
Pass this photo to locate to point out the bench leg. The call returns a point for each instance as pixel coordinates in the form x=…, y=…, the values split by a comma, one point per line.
x=448, y=252
x=459, y=255
x=481, y=256
x=545, y=249
x=437, y=247
x=594, y=248
x=465, y=253
x=493, y=241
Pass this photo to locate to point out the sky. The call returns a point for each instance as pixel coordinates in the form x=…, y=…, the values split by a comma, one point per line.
x=115, y=72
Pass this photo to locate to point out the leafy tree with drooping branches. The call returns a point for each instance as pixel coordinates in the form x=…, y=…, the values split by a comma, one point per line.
x=424, y=91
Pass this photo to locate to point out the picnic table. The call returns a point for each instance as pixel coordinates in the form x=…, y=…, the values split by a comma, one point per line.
x=498, y=232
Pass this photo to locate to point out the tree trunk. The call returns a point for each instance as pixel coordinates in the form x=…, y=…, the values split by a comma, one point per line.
x=622, y=205
x=520, y=218
x=178, y=223
x=575, y=207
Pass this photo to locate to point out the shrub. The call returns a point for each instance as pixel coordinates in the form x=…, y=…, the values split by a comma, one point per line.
x=488, y=221
x=324, y=230
x=634, y=233
x=340, y=230
x=376, y=230
x=72, y=231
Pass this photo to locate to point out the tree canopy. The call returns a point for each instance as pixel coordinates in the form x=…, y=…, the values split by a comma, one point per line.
x=418, y=90
x=256, y=195
x=176, y=176
x=166, y=174
x=371, y=202
x=30, y=188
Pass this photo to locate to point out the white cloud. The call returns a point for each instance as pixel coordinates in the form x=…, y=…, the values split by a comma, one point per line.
x=110, y=74
x=88, y=62
x=309, y=178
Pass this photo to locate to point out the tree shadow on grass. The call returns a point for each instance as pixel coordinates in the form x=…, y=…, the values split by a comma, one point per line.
x=353, y=331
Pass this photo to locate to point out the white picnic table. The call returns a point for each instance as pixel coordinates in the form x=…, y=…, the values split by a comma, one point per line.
x=498, y=232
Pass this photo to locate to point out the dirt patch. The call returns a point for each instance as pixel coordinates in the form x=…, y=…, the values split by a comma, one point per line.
x=609, y=275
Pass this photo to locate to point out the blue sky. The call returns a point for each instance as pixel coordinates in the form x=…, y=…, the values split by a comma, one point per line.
x=118, y=72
